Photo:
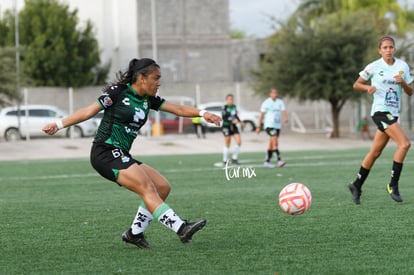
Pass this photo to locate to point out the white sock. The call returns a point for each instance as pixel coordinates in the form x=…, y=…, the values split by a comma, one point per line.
x=225, y=153
x=165, y=215
x=141, y=221
x=236, y=152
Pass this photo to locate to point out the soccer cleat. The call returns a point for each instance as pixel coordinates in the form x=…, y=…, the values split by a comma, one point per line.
x=138, y=240
x=187, y=230
x=281, y=163
x=268, y=164
x=356, y=194
x=235, y=162
x=394, y=193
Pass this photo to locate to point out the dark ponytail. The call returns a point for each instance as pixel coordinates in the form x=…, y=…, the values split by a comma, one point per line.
x=143, y=66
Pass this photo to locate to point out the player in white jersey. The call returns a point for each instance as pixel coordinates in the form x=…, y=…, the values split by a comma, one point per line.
x=388, y=77
x=272, y=112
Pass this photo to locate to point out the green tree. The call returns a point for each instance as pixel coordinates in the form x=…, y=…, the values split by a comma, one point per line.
x=8, y=85
x=59, y=52
x=317, y=53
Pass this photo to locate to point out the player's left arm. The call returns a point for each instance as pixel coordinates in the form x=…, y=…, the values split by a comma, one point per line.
x=407, y=87
x=405, y=80
x=188, y=111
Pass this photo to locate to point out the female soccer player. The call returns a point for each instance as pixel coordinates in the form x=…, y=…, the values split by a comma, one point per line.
x=272, y=112
x=389, y=77
x=126, y=105
x=229, y=129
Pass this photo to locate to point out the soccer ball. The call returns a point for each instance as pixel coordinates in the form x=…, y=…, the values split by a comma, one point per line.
x=295, y=199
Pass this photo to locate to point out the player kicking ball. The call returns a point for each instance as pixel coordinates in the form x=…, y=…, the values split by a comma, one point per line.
x=126, y=105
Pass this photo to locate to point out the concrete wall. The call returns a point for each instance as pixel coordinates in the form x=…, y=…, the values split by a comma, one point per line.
x=193, y=39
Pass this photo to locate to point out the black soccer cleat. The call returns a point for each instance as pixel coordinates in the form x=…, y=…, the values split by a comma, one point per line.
x=138, y=240
x=356, y=193
x=235, y=162
x=187, y=230
x=394, y=193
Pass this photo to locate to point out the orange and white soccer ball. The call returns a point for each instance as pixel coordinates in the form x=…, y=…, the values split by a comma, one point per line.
x=295, y=199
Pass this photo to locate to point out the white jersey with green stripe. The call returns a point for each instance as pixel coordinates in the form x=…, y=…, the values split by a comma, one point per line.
x=125, y=112
x=387, y=97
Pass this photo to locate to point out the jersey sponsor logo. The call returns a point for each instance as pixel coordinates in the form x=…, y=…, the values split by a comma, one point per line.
x=391, y=98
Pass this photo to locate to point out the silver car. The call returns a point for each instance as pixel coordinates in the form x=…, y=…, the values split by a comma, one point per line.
x=32, y=118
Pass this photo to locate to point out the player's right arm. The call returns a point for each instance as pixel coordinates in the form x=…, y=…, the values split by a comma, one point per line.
x=259, y=124
x=75, y=118
x=360, y=85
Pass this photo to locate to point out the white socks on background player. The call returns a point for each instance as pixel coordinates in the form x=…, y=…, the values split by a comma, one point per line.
x=236, y=151
x=226, y=151
x=164, y=214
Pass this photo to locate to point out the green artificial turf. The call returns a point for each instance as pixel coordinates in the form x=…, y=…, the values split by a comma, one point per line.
x=60, y=217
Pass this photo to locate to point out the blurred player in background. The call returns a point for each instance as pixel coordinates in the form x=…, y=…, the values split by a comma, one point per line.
x=230, y=120
x=272, y=112
x=389, y=77
x=126, y=105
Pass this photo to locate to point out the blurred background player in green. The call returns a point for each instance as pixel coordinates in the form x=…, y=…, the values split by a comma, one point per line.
x=230, y=120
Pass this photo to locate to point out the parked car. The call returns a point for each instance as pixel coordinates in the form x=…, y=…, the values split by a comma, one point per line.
x=171, y=123
x=250, y=118
x=37, y=117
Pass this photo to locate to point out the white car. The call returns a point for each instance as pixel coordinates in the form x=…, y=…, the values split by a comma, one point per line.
x=33, y=117
x=250, y=118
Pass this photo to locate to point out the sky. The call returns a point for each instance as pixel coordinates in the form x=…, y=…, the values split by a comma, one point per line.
x=252, y=16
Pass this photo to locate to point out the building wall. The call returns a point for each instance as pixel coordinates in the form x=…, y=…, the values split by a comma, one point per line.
x=192, y=37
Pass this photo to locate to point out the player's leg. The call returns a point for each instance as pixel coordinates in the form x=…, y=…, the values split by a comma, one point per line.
x=143, y=217
x=403, y=145
x=280, y=162
x=236, y=152
x=139, y=179
x=380, y=141
x=271, y=132
x=227, y=141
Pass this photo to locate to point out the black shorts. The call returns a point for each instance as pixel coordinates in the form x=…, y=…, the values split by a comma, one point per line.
x=108, y=160
x=273, y=132
x=230, y=130
x=383, y=119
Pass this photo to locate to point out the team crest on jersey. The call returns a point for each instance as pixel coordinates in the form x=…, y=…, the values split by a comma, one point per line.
x=106, y=101
x=145, y=104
